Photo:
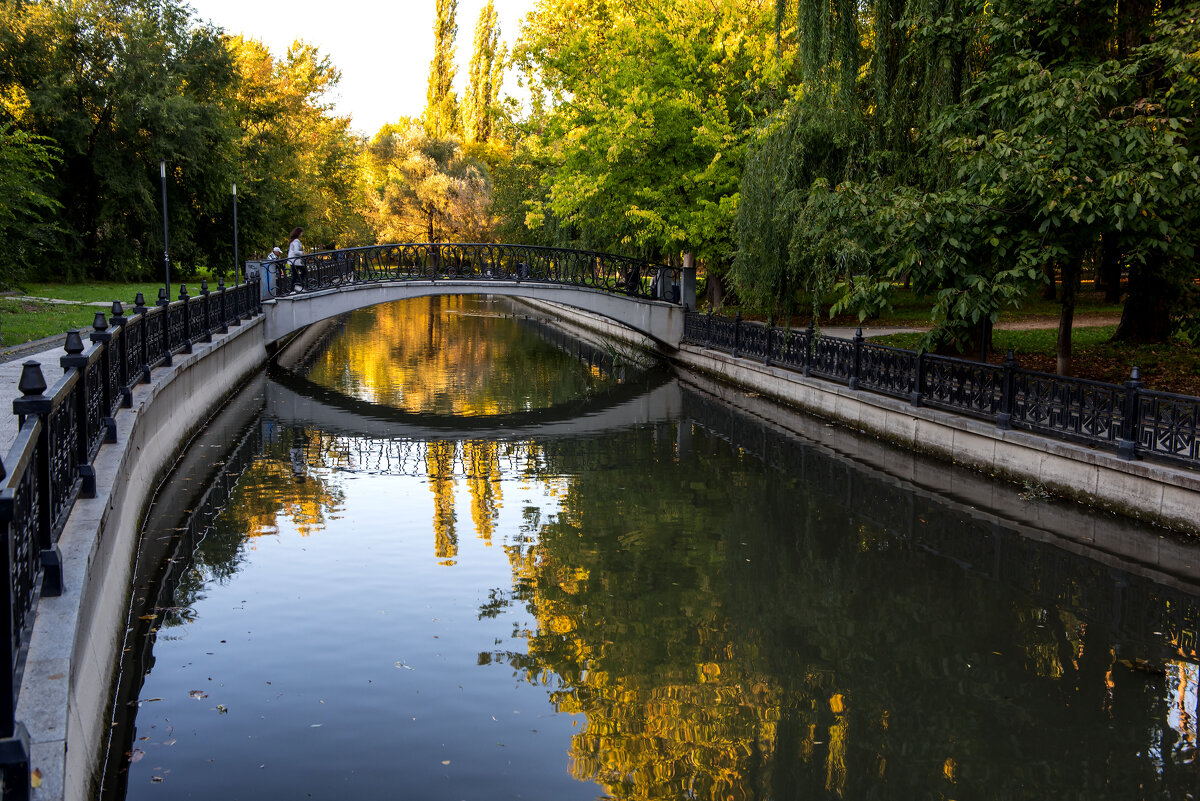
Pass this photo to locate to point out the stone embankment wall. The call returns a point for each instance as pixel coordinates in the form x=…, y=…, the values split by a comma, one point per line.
x=78, y=636
x=1156, y=493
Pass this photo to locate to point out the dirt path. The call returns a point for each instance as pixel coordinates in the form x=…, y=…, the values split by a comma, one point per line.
x=1034, y=323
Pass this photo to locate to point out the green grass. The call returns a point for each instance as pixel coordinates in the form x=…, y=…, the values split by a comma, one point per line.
x=1038, y=340
x=25, y=320
x=107, y=291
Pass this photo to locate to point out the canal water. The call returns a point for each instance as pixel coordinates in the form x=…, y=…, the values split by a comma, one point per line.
x=452, y=553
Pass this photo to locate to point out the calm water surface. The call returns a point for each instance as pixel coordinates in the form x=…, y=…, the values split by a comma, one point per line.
x=651, y=600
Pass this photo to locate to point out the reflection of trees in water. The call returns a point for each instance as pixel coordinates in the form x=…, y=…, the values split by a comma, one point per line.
x=732, y=632
x=450, y=355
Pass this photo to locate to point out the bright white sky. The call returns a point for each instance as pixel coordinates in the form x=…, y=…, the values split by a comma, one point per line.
x=382, y=48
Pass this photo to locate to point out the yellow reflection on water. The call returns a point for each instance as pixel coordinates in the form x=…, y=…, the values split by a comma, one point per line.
x=449, y=355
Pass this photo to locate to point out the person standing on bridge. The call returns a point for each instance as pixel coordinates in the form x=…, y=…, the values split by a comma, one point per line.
x=295, y=251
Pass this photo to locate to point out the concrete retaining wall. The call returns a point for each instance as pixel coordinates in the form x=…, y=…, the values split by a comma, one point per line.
x=78, y=636
x=1147, y=491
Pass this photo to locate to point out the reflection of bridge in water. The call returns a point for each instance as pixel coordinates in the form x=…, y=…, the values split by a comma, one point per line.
x=1152, y=618
x=293, y=400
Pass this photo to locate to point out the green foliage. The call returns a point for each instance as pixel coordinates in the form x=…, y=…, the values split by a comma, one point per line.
x=441, y=103
x=27, y=209
x=485, y=75
x=1052, y=129
x=649, y=110
x=428, y=189
x=111, y=87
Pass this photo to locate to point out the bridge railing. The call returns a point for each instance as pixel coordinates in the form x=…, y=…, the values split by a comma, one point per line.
x=1129, y=418
x=477, y=261
x=51, y=463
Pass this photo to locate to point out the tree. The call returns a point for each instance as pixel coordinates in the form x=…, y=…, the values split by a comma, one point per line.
x=484, y=77
x=27, y=210
x=441, y=104
x=428, y=189
x=649, y=111
x=1059, y=131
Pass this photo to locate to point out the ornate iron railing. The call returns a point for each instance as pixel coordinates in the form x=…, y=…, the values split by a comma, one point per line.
x=433, y=261
x=51, y=462
x=1137, y=422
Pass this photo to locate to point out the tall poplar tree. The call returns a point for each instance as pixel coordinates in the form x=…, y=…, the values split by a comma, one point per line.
x=484, y=76
x=441, y=104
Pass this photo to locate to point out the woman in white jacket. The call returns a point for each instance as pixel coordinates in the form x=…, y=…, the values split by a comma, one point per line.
x=295, y=251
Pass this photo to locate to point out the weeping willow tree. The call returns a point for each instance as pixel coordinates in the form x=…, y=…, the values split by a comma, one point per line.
x=873, y=73
x=973, y=148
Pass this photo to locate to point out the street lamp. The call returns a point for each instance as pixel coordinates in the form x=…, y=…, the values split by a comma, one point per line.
x=162, y=172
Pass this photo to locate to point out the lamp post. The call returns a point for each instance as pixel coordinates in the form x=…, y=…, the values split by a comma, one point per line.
x=235, y=238
x=162, y=172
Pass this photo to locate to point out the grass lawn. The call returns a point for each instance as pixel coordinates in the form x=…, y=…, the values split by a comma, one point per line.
x=103, y=290
x=26, y=320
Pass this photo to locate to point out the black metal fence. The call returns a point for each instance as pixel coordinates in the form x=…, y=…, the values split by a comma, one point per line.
x=51, y=461
x=1135, y=421
x=432, y=261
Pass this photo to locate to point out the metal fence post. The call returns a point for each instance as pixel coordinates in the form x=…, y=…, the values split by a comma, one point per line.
x=102, y=337
x=708, y=330
x=143, y=365
x=164, y=321
x=770, y=337
x=205, y=303
x=1007, y=390
x=858, y=340
x=187, y=318
x=222, y=307
x=75, y=360
x=1127, y=444
x=33, y=402
x=737, y=333
x=914, y=397
x=118, y=320
x=808, y=346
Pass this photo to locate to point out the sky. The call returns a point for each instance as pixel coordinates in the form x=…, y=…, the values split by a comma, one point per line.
x=382, y=49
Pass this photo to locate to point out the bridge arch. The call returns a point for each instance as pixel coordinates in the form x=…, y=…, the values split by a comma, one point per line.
x=660, y=322
x=646, y=298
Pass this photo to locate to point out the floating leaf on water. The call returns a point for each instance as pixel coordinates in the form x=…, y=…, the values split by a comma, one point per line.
x=157, y=779
x=197, y=694
x=221, y=710
x=148, y=617
x=445, y=762
x=136, y=755
x=172, y=741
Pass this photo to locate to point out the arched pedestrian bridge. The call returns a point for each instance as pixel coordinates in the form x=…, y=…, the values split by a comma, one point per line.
x=647, y=298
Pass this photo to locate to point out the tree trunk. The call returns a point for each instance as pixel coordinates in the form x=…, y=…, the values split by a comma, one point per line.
x=1109, y=274
x=1146, y=316
x=1070, y=290
x=1048, y=290
x=716, y=289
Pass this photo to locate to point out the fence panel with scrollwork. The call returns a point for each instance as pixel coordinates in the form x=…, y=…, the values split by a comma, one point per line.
x=1073, y=408
x=475, y=261
x=832, y=358
x=887, y=370
x=1168, y=426
x=1136, y=421
x=958, y=385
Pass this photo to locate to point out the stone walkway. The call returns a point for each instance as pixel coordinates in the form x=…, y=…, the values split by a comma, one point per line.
x=45, y=351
